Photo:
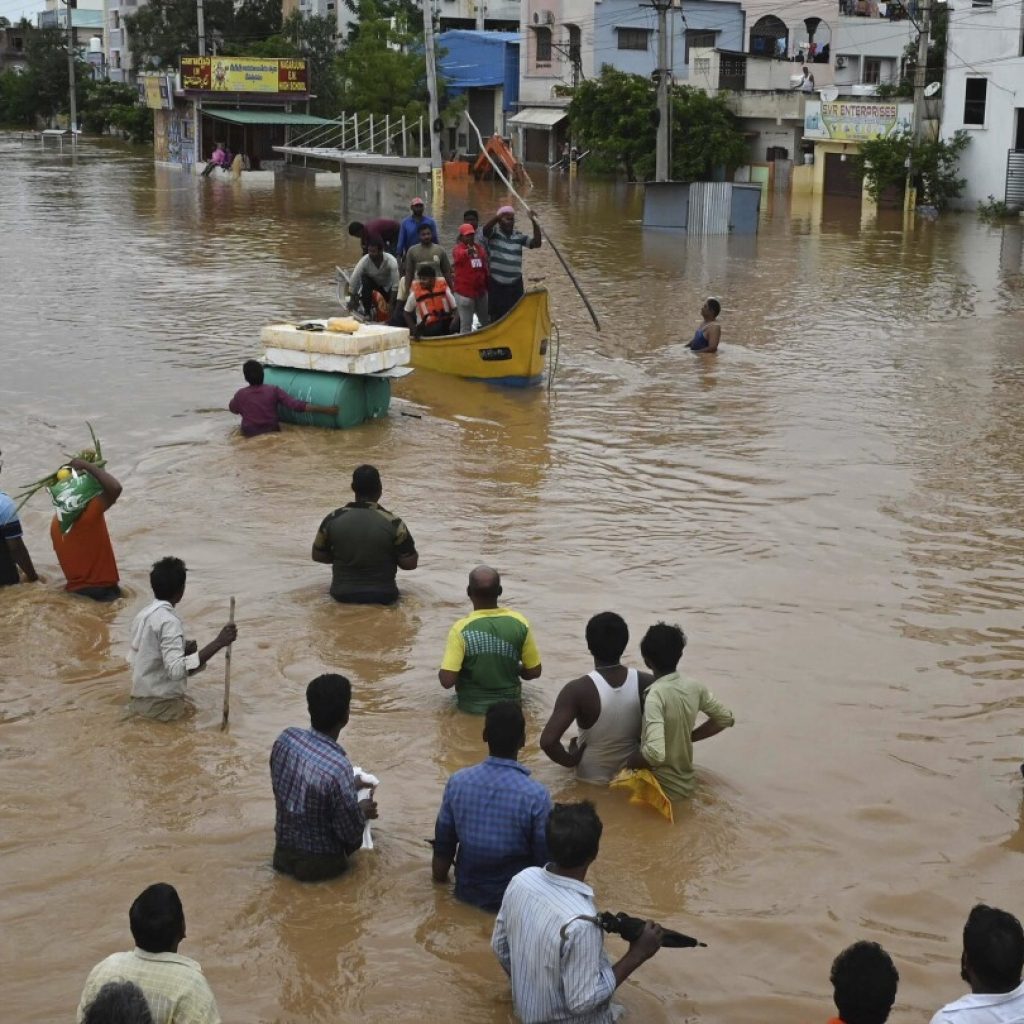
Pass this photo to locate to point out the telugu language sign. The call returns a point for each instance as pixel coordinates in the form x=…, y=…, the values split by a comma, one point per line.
x=244, y=74
x=850, y=121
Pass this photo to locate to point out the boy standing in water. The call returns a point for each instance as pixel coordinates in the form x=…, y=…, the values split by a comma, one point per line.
x=709, y=334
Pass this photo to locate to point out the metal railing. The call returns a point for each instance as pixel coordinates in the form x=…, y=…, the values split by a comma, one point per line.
x=354, y=133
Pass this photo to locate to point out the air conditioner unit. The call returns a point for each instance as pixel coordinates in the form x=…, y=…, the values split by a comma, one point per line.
x=840, y=62
x=547, y=17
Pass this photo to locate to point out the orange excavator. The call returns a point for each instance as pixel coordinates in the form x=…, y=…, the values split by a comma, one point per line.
x=502, y=154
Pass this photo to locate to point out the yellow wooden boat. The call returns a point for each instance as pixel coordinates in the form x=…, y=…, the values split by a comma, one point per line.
x=511, y=351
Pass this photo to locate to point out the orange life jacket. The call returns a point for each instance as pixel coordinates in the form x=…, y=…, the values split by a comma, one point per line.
x=432, y=304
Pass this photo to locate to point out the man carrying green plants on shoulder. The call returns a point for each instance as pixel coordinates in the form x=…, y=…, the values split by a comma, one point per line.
x=79, y=531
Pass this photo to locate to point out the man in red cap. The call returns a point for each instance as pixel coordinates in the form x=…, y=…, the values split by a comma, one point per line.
x=471, y=278
x=505, y=246
x=409, y=233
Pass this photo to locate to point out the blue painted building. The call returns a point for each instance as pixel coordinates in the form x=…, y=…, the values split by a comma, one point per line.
x=625, y=34
x=485, y=67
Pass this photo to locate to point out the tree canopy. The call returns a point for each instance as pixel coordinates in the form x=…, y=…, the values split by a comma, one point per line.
x=615, y=116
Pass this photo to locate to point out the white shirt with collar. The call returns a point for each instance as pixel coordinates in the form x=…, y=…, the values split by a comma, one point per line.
x=984, y=1008
x=160, y=666
x=557, y=963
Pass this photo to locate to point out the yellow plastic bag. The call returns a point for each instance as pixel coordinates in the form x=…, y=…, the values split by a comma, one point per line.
x=644, y=788
x=343, y=325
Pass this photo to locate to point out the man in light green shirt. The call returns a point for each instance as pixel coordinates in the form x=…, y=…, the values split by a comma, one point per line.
x=670, y=714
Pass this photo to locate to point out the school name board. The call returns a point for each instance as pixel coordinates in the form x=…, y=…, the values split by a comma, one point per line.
x=244, y=74
x=846, y=121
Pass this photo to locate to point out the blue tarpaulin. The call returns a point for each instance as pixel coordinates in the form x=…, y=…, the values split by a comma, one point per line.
x=480, y=60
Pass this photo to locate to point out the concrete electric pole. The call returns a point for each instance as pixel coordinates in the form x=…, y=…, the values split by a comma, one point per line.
x=663, y=157
x=436, y=170
x=72, y=84
x=920, y=79
x=921, y=69
x=201, y=25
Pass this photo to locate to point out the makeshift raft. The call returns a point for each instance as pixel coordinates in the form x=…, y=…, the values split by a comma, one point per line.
x=351, y=369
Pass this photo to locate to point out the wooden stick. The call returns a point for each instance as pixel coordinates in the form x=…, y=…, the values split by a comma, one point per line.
x=547, y=237
x=227, y=674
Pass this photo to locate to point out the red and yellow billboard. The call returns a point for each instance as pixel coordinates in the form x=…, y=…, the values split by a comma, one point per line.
x=244, y=74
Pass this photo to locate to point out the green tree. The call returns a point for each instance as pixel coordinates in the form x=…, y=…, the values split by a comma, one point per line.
x=615, y=116
x=935, y=163
x=162, y=30
x=705, y=135
x=316, y=39
x=383, y=72
x=18, y=99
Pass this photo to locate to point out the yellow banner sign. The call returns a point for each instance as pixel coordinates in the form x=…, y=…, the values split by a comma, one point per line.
x=244, y=74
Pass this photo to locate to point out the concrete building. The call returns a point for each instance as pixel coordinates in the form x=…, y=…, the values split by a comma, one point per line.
x=87, y=27
x=482, y=15
x=120, y=60
x=625, y=34
x=556, y=52
x=484, y=67
x=12, y=47
x=983, y=95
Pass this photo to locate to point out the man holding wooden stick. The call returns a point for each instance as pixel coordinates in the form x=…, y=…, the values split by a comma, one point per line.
x=161, y=659
x=505, y=248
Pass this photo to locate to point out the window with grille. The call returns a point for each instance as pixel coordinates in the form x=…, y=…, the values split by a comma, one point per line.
x=975, y=95
x=697, y=40
x=872, y=70
x=632, y=38
x=543, y=45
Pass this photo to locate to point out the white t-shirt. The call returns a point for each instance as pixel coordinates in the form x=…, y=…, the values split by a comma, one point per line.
x=1001, y=1008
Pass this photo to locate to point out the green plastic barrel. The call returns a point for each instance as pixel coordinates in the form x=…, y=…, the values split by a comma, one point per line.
x=358, y=398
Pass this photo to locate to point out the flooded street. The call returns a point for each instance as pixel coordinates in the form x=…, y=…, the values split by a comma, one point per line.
x=831, y=508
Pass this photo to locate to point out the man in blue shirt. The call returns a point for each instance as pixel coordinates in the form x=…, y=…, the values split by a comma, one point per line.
x=13, y=553
x=493, y=815
x=409, y=232
x=320, y=817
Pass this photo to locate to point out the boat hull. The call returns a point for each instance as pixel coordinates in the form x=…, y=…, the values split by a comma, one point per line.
x=510, y=352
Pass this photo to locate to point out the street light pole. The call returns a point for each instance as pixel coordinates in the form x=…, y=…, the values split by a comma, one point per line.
x=662, y=155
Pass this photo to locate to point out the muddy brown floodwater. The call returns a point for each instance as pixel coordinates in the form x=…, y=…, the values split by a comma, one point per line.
x=831, y=508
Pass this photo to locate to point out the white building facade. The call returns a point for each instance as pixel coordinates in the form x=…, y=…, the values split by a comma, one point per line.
x=983, y=95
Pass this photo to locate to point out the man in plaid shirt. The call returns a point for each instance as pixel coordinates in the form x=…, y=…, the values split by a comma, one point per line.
x=493, y=815
x=319, y=816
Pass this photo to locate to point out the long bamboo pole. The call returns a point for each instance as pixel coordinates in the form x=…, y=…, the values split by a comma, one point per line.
x=227, y=675
x=544, y=234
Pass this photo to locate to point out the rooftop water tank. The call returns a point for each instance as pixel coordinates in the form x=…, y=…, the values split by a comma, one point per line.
x=95, y=44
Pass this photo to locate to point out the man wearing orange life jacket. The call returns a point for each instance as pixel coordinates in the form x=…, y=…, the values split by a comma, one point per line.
x=430, y=306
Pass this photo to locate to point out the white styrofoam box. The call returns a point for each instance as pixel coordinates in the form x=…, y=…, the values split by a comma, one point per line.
x=369, y=338
x=368, y=362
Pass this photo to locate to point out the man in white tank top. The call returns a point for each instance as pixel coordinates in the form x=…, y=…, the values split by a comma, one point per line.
x=606, y=705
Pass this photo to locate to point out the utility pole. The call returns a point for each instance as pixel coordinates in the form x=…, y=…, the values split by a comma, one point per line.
x=72, y=85
x=662, y=151
x=921, y=69
x=201, y=24
x=436, y=170
x=920, y=78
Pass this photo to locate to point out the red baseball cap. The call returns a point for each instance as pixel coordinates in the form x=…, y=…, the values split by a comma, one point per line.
x=467, y=229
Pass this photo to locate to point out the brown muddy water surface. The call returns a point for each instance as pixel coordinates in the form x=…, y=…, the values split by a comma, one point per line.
x=831, y=508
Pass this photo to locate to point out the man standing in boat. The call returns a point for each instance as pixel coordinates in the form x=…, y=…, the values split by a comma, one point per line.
x=505, y=247
x=409, y=233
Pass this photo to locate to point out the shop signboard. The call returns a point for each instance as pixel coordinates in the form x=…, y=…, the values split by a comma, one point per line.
x=855, y=120
x=245, y=74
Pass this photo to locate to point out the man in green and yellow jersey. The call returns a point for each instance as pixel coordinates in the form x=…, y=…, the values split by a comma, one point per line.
x=490, y=651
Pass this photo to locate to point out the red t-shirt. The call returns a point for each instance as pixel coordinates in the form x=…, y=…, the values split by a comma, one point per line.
x=84, y=552
x=469, y=270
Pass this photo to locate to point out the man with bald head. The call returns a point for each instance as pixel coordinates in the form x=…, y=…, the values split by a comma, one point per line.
x=490, y=651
